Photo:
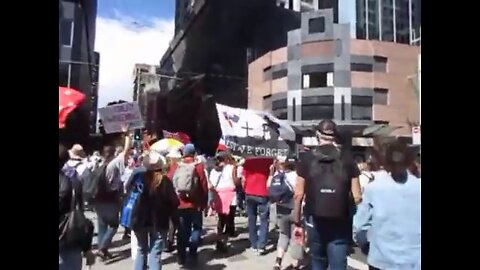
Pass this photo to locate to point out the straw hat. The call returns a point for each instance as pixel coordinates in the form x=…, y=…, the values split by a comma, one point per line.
x=77, y=152
x=154, y=161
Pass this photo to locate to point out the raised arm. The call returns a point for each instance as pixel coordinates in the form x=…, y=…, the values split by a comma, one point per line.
x=127, y=144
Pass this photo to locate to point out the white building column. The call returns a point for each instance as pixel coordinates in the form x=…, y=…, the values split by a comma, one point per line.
x=297, y=5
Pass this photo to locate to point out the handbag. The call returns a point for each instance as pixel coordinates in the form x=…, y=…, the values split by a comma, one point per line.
x=75, y=230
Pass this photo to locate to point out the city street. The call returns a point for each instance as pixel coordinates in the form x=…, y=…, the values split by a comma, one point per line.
x=238, y=257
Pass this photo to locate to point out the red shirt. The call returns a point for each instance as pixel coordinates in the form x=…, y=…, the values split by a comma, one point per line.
x=199, y=168
x=256, y=171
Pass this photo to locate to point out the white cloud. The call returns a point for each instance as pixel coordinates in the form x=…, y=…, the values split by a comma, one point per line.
x=122, y=44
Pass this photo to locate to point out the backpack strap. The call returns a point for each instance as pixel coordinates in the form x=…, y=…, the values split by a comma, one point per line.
x=286, y=182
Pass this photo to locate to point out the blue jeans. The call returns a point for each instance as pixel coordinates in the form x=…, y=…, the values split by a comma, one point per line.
x=108, y=220
x=257, y=205
x=190, y=222
x=241, y=198
x=70, y=259
x=150, y=246
x=329, y=241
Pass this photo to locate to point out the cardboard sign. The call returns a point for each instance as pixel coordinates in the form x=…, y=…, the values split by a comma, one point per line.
x=114, y=116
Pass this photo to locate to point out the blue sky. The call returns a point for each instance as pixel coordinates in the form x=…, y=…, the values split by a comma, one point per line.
x=140, y=10
x=130, y=32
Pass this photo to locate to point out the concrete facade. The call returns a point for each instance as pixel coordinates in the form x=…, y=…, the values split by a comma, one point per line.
x=323, y=73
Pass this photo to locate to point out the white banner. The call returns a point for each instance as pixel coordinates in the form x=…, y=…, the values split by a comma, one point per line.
x=244, y=123
x=114, y=116
x=254, y=133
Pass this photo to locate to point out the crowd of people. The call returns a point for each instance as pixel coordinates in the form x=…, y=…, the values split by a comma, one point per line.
x=323, y=203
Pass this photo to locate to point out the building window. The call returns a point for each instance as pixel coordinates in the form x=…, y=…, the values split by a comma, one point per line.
x=279, y=74
x=317, y=112
x=315, y=79
x=317, y=107
x=316, y=25
x=380, y=59
x=362, y=107
x=317, y=100
x=380, y=96
x=279, y=104
x=361, y=67
x=66, y=33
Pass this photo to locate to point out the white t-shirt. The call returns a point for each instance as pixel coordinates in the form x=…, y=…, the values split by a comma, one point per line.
x=223, y=179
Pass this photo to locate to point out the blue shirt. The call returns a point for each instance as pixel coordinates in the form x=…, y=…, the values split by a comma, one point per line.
x=390, y=213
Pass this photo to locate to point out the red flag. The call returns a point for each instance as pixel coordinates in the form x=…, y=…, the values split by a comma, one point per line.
x=68, y=100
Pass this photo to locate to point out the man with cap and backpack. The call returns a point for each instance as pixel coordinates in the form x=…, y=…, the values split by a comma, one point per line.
x=106, y=189
x=190, y=183
x=328, y=178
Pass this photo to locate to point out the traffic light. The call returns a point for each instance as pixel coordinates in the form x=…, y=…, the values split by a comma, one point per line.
x=137, y=135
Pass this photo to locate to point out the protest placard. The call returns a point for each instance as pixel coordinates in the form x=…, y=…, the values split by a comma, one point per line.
x=114, y=116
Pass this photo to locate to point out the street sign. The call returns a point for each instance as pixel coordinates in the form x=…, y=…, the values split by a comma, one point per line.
x=416, y=138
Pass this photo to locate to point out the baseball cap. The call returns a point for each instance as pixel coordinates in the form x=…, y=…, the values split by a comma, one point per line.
x=188, y=150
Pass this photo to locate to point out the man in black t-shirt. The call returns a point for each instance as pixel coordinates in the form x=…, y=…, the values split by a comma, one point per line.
x=328, y=179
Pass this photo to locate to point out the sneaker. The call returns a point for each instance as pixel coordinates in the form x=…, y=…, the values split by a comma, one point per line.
x=261, y=252
x=254, y=250
x=104, y=255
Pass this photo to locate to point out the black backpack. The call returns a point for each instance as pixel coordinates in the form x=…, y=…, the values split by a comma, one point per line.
x=327, y=187
x=75, y=230
x=96, y=188
x=90, y=185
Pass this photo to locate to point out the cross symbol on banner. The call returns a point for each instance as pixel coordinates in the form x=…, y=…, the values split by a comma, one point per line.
x=247, y=128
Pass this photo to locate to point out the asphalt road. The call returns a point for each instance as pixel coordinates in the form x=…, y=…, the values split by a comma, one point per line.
x=238, y=257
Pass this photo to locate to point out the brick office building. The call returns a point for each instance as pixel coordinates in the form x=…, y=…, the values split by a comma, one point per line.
x=324, y=73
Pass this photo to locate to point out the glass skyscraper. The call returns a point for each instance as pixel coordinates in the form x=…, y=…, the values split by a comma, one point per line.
x=388, y=20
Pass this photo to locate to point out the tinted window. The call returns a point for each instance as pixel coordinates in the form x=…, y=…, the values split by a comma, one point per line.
x=279, y=74
x=380, y=96
x=316, y=112
x=321, y=100
x=361, y=112
x=316, y=25
x=279, y=104
x=361, y=67
x=362, y=107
